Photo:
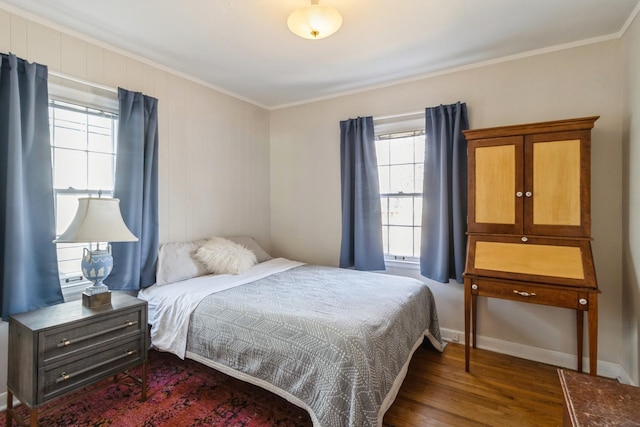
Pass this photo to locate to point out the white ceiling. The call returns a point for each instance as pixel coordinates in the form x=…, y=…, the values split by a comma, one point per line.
x=243, y=47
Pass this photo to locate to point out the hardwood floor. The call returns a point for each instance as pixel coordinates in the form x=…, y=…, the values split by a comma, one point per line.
x=500, y=390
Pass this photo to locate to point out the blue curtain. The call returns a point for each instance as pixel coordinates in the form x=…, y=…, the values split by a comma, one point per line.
x=361, y=212
x=28, y=260
x=444, y=203
x=134, y=263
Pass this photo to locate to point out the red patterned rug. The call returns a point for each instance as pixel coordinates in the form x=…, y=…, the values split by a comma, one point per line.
x=180, y=393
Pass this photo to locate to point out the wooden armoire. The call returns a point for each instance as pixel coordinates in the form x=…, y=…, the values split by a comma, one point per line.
x=529, y=222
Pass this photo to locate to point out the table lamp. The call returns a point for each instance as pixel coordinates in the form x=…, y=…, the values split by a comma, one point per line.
x=97, y=220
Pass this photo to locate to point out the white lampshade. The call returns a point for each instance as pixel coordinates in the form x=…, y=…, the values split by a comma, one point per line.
x=97, y=220
x=314, y=21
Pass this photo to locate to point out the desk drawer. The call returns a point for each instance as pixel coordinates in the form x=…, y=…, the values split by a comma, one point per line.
x=65, y=341
x=528, y=293
x=100, y=363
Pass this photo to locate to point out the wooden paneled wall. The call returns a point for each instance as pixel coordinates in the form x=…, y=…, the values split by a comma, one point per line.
x=214, y=148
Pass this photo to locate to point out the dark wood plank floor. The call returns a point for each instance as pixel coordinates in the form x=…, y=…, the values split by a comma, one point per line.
x=500, y=390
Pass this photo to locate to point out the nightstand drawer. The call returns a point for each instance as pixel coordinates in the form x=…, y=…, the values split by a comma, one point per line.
x=63, y=342
x=101, y=362
x=525, y=292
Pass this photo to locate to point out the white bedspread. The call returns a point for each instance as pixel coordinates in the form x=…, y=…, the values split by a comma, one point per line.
x=170, y=322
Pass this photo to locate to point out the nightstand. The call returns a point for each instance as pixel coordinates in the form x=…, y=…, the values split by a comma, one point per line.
x=57, y=350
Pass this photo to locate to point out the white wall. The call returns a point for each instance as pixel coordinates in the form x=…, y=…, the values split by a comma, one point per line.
x=213, y=148
x=631, y=209
x=577, y=82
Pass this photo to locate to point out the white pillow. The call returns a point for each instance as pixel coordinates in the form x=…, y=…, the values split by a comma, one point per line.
x=251, y=244
x=176, y=262
x=222, y=256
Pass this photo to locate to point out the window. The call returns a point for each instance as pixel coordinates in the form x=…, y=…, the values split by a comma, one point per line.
x=400, y=169
x=83, y=148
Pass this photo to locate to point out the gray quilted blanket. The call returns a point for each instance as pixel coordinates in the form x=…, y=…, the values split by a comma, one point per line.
x=337, y=340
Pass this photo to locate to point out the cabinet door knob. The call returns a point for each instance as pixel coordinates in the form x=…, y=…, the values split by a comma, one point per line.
x=524, y=239
x=474, y=286
x=519, y=194
x=528, y=194
x=582, y=301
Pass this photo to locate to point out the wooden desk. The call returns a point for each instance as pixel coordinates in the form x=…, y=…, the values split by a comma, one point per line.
x=598, y=402
x=580, y=300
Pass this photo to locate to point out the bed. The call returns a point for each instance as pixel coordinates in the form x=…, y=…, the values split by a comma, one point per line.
x=335, y=342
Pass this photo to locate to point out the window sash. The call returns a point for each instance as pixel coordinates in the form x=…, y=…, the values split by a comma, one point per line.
x=401, y=225
x=84, y=142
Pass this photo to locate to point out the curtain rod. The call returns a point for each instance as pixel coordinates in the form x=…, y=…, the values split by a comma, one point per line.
x=84, y=82
x=398, y=116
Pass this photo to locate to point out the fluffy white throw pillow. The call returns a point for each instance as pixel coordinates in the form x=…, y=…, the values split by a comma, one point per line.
x=222, y=256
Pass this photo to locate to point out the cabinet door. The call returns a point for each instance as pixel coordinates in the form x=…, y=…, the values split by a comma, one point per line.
x=496, y=185
x=557, y=184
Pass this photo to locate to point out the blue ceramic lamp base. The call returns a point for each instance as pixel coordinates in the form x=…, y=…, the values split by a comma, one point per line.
x=96, y=266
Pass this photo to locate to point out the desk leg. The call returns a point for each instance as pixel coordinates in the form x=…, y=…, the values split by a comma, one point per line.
x=467, y=319
x=474, y=316
x=8, y=421
x=34, y=417
x=593, y=333
x=580, y=336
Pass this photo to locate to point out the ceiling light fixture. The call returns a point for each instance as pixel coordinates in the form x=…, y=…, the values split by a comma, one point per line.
x=315, y=21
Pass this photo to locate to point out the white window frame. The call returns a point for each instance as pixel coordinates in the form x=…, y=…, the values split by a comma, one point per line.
x=409, y=123
x=96, y=99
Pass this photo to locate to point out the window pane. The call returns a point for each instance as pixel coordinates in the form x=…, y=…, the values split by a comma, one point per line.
x=419, y=147
x=401, y=210
x=384, y=204
x=70, y=252
x=101, y=171
x=382, y=152
x=401, y=180
x=383, y=179
x=417, y=210
x=385, y=239
x=69, y=267
x=419, y=177
x=417, y=238
x=401, y=241
x=100, y=134
x=70, y=168
x=70, y=258
x=402, y=150
x=67, y=136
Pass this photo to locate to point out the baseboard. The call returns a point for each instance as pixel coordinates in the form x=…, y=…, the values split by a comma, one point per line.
x=550, y=357
x=3, y=401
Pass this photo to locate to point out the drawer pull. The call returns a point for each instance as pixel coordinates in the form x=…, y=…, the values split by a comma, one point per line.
x=525, y=294
x=524, y=239
x=582, y=301
x=64, y=376
x=64, y=342
x=474, y=286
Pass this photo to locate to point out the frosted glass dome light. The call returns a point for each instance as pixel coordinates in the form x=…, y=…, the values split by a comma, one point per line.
x=314, y=22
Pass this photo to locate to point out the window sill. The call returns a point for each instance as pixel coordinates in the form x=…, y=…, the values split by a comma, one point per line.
x=407, y=265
